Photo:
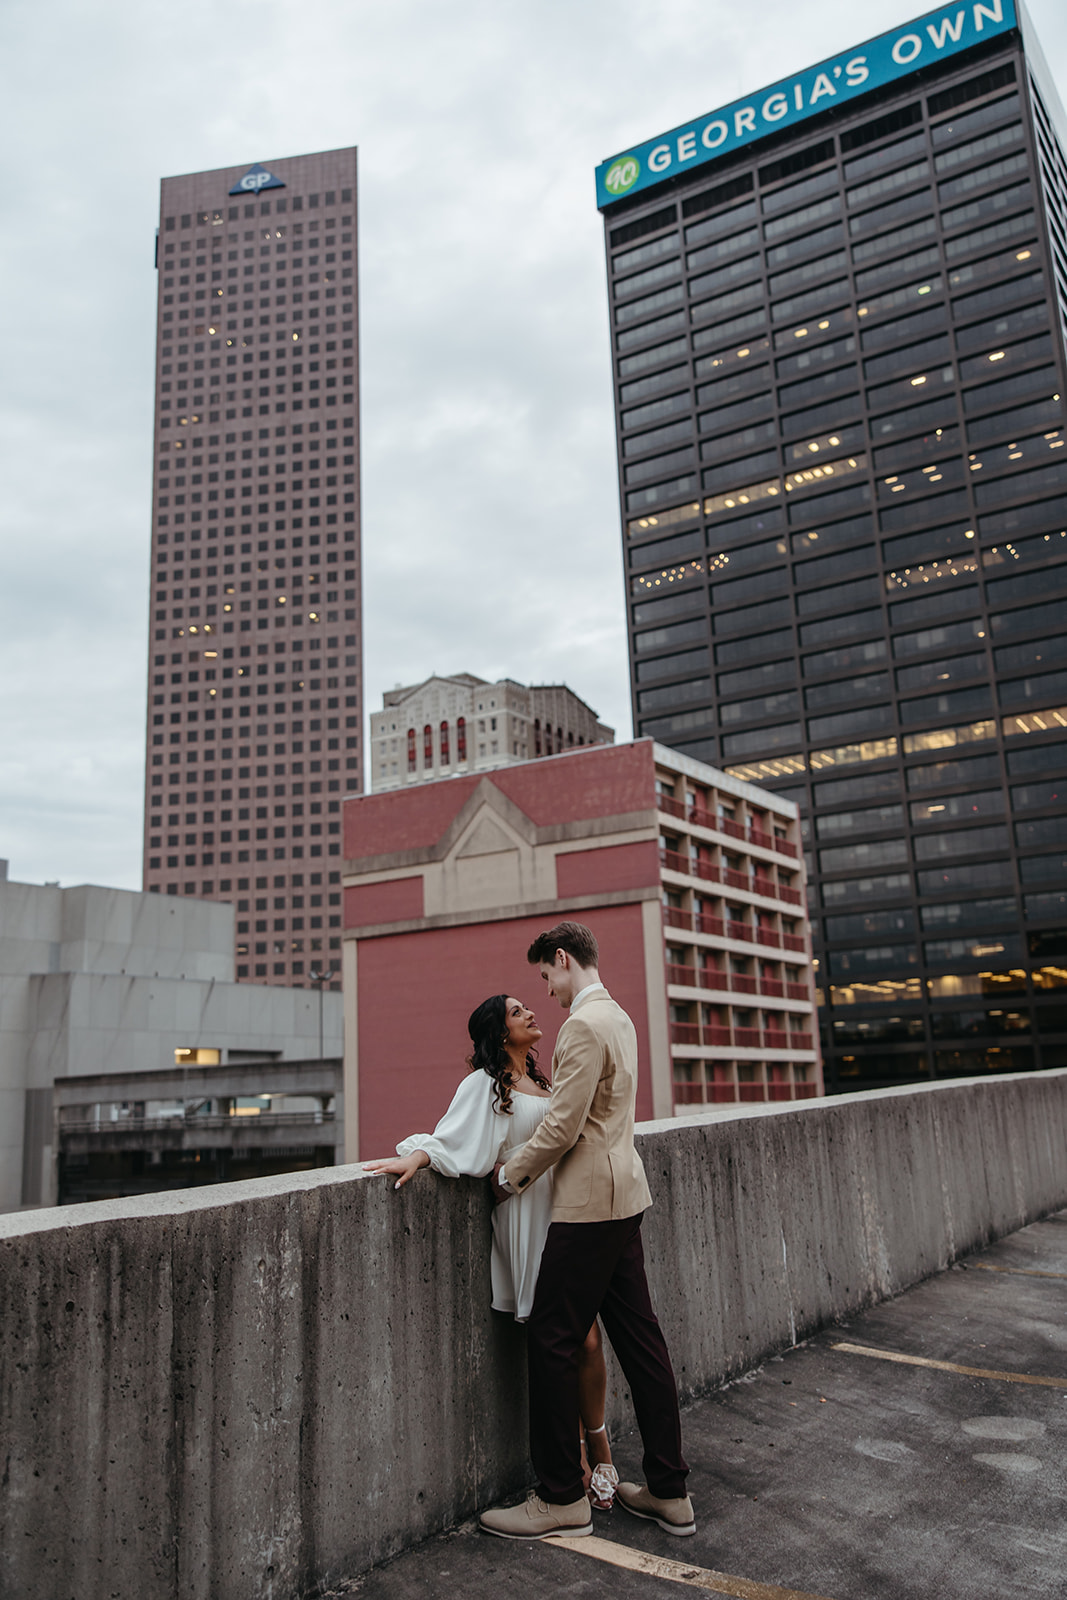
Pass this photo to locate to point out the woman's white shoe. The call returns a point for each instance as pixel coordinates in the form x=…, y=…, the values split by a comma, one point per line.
x=602, y=1487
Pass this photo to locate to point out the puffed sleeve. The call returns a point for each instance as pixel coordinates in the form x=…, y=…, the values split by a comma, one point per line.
x=469, y=1137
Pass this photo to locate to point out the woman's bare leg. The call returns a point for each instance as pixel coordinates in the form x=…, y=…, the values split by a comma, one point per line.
x=592, y=1397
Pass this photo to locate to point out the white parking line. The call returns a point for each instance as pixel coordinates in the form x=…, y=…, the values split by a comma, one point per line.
x=621, y=1555
x=1025, y=1272
x=951, y=1366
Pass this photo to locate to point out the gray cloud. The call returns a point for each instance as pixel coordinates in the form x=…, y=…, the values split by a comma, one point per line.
x=490, y=512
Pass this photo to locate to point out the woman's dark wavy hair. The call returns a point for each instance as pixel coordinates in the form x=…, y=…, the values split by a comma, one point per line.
x=488, y=1028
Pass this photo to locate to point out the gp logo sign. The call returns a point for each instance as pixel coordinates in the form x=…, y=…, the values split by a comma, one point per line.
x=256, y=178
x=929, y=39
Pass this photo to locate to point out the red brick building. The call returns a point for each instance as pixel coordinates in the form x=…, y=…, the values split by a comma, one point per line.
x=691, y=880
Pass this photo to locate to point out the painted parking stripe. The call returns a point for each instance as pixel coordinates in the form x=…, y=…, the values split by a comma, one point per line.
x=621, y=1555
x=950, y=1366
x=1025, y=1272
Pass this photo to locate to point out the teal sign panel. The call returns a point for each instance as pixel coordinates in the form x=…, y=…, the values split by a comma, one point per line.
x=929, y=39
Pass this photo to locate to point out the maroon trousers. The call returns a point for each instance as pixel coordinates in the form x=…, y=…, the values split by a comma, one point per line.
x=590, y=1269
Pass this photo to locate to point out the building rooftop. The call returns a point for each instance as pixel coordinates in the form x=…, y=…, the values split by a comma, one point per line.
x=828, y=1474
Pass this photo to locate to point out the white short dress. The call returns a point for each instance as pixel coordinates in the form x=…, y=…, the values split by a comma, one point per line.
x=471, y=1137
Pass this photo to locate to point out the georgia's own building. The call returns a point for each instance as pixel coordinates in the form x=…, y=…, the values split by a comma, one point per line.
x=838, y=343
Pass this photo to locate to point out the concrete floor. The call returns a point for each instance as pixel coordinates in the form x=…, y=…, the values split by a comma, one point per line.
x=831, y=1474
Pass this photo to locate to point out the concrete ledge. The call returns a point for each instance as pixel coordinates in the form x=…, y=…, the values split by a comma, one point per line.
x=250, y=1390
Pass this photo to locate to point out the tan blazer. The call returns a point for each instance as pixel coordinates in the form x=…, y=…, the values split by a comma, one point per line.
x=588, y=1130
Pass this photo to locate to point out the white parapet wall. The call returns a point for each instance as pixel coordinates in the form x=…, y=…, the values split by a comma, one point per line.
x=255, y=1389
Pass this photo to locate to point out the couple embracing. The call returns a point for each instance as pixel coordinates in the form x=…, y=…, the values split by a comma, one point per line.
x=571, y=1194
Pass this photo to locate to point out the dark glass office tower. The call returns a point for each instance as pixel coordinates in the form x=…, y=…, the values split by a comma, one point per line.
x=255, y=673
x=838, y=343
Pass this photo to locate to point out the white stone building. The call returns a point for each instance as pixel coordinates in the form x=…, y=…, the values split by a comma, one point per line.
x=461, y=724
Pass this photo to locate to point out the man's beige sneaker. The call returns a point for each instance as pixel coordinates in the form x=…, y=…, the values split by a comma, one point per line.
x=673, y=1516
x=535, y=1519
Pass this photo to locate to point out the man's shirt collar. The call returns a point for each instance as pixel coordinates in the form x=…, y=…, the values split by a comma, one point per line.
x=583, y=994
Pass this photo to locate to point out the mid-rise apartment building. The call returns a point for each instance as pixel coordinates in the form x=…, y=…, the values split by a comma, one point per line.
x=255, y=675
x=692, y=881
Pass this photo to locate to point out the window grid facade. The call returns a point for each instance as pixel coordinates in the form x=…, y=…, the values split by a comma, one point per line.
x=736, y=952
x=839, y=384
x=255, y=670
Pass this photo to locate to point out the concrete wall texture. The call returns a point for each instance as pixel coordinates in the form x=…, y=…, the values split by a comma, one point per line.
x=251, y=1390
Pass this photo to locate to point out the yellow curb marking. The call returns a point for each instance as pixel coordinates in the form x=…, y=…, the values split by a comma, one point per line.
x=1026, y=1272
x=621, y=1555
x=951, y=1366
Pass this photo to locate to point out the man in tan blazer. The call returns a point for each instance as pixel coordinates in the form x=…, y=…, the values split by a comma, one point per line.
x=593, y=1262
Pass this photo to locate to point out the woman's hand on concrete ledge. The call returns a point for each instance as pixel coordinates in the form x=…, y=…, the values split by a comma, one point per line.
x=404, y=1166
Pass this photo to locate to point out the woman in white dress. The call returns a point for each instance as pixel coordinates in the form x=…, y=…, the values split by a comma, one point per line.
x=493, y=1112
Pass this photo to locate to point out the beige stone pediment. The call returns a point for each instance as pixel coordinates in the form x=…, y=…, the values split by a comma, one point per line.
x=489, y=857
x=486, y=838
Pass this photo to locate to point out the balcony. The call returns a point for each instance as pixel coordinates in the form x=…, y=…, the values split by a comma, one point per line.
x=686, y=976
x=738, y=982
x=689, y=1094
x=676, y=861
x=768, y=841
x=732, y=829
x=716, y=1036
x=736, y=830
x=728, y=1094
x=708, y=872
x=700, y=922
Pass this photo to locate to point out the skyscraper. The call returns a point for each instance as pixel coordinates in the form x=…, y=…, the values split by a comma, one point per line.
x=838, y=315
x=255, y=675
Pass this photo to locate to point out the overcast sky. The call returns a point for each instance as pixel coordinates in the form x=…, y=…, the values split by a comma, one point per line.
x=490, y=531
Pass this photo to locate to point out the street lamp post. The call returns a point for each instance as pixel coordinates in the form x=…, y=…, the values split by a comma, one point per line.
x=322, y=977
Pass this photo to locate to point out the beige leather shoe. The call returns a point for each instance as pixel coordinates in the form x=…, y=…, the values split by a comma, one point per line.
x=673, y=1516
x=535, y=1519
